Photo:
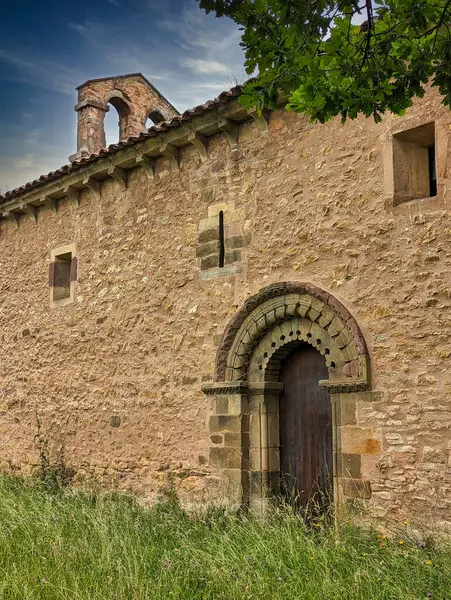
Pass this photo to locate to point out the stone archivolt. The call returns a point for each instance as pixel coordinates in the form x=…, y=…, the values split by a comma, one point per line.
x=286, y=313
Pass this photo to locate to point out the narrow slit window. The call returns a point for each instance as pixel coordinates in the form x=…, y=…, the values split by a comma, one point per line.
x=432, y=171
x=221, y=239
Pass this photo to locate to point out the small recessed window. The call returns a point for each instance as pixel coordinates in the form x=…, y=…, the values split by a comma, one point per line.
x=62, y=276
x=414, y=163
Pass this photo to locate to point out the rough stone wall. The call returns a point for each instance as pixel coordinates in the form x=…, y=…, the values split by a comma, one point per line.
x=115, y=377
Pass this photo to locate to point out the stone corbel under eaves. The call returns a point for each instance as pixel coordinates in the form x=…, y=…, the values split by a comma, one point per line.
x=199, y=141
x=119, y=175
x=50, y=201
x=93, y=186
x=230, y=128
x=261, y=118
x=147, y=163
x=171, y=152
x=73, y=195
x=11, y=217
x=31, y=211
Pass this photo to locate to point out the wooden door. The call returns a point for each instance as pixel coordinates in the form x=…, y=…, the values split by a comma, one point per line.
x=305, y=429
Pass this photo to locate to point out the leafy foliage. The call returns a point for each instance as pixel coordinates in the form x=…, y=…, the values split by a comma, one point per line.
x=312, y=52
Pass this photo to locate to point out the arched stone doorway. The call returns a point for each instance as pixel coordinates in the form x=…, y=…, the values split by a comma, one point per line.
x=247, y=388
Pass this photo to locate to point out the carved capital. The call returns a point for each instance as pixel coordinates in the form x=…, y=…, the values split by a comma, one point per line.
x=344, y=387
x=225, y=387
x=262, y=387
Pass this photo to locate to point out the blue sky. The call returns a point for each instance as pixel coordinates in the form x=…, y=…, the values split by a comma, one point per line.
x=47, y=48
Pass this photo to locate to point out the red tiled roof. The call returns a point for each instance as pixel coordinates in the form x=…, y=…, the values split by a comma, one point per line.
x=114, y=148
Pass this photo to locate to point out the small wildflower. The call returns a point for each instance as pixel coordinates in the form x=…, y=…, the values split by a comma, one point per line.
x=406, y=522
x=401, y=542
x=428, y=562
x=382, y=545
x=429, y=594
x=379, y=579
x=382, y=537
x=422, y=545
x=317, y=525
x=280, y=578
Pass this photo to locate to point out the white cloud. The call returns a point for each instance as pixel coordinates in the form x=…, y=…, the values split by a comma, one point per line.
x=41, y=71
x=205, y=67
x=23, y=162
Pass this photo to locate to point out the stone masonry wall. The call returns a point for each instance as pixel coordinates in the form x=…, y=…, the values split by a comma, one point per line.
x=115, y=377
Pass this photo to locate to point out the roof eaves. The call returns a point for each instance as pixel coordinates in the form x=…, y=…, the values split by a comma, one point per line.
x=177, y=121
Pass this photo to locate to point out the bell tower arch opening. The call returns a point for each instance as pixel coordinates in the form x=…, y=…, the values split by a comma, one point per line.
x=290, y=365
x=154, y=118
x=116, y=121
x=133, y=97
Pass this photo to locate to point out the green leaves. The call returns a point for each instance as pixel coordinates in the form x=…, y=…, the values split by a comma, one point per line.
x=314, y=53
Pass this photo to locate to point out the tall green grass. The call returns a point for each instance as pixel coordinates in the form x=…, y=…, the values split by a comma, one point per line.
x=77, y=545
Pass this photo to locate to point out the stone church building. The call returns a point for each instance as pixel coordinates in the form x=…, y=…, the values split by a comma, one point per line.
x=236, y=305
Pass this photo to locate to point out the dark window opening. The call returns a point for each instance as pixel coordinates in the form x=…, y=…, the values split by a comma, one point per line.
x=414, y=163
x=221, y=239
x=62, y=272
x=432, y=171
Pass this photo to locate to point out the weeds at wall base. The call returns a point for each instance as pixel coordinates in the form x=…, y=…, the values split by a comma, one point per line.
x=74, y=544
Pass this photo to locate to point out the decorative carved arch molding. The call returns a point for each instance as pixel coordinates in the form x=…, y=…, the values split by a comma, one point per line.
x=245, y=427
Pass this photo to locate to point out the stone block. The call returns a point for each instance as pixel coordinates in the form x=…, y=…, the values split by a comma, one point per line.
x=221, y=405
x=347, y=406
x=359, y=440
x=209, y=235
x=223, y=423
x=335, y=326
x=237, y=241
x=208, y=224
x=232, y=256
x=349, y=465
x=355, y=488
x=225, y=458
x=207, y=249
x=264, y=484
x=210, y=262
x=240, y=440
x=215, y=209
